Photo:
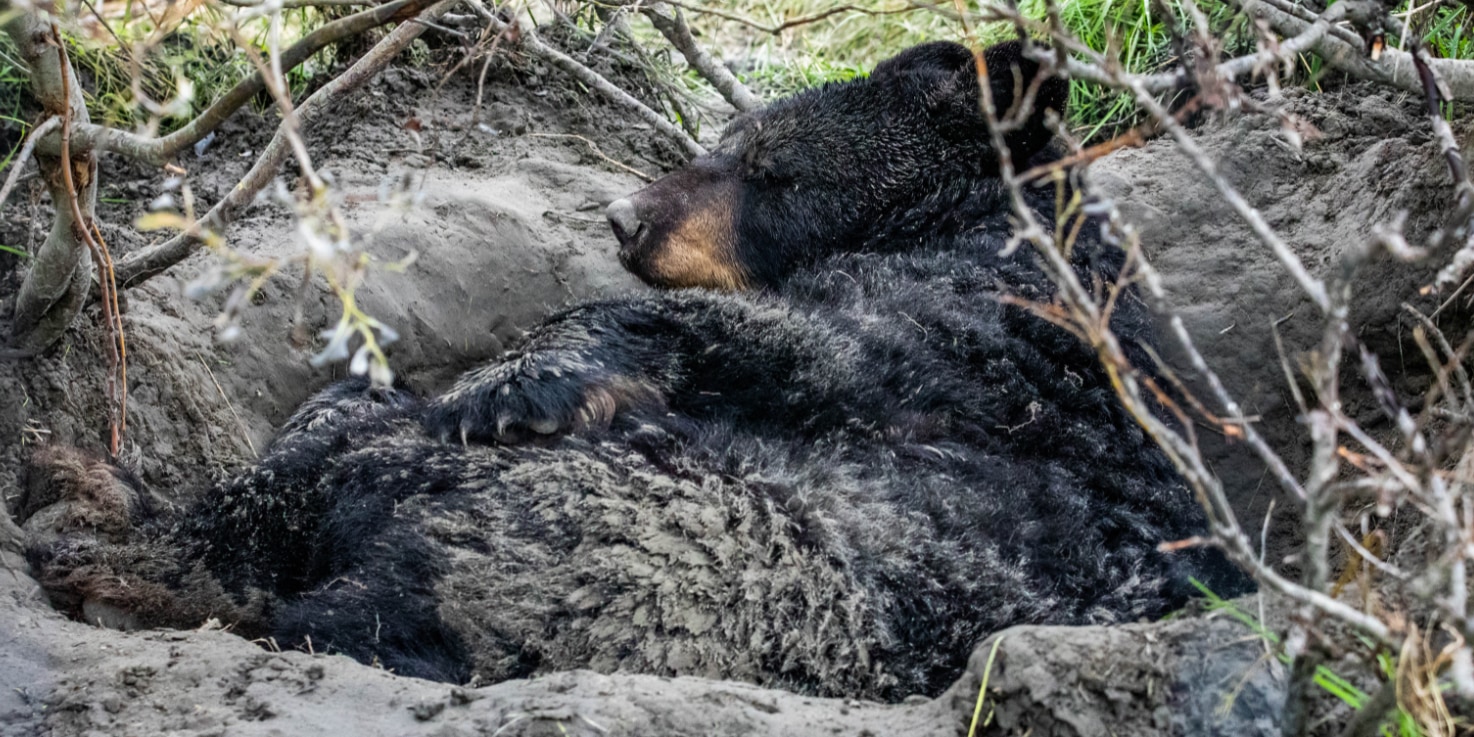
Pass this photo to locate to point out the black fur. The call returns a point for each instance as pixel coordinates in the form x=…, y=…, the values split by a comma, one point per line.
x=836, y=484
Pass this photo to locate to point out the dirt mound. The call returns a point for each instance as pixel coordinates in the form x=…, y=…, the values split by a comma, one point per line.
x=1368, y=155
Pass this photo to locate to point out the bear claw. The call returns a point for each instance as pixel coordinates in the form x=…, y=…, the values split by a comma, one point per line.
x=532, y=395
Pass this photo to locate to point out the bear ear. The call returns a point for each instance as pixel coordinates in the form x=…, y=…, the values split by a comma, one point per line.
x=945, y=75
x=943, y=58
x=1010, y=73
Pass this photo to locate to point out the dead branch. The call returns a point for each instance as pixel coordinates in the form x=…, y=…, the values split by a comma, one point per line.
x=570, y=66
x=1315, y=35
x=1394, y=68
x=1137, y=136
x=290, y=4
x=675, y=30
x=1228, y=534
x=1457, y=226
x=18, y=164
x=142, y=264
x=496, y=42
x=1089, y=319
x=1455, y=364
x=802, y=20
x=1288, y=49
x=1087, y=316
x=157, y=151
x=58, y=282
x=1411, y=474
x=1305, y=14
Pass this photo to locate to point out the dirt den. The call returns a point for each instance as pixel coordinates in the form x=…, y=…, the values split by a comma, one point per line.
x=510, y=227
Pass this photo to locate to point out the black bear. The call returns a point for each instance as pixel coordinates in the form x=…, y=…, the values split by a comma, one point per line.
x=827, y=458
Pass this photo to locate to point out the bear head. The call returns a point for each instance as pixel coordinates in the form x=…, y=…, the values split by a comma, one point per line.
x=819, y=172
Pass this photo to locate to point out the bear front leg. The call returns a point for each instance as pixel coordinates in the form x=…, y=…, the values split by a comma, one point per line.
x=576, y=372
x=745, y=359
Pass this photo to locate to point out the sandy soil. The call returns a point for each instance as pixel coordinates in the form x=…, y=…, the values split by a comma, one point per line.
x=511, y=228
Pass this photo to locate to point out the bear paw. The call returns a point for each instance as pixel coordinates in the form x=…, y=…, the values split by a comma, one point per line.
x=72, y=491
x=536, y=394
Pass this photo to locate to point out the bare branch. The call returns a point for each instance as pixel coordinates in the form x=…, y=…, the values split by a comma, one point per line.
x=157, y=151
x=103, y=261
x=142, y=264
x=570, y=66
x=675, y=30
x=18, y=164
x=1458, y=223
x=802, y=20
x=1395, y=68
x=57, y=284
x=597, y=152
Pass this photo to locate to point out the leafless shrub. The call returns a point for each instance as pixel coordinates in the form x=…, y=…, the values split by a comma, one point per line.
x=1424, y=468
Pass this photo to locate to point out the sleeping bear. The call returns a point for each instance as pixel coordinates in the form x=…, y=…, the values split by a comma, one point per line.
x=825, y=456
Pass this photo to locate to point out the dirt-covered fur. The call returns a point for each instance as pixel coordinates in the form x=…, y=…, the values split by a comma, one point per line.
x=834, y=477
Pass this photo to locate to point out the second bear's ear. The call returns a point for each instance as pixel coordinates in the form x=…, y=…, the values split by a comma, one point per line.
x=945, y=76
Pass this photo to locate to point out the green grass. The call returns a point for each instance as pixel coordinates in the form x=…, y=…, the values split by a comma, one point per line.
x=1403, y=724
x=838, y=47
x=13, y=97
x=196, y=63
x=1142, y=35
x=848, y=44
x=1451, y=32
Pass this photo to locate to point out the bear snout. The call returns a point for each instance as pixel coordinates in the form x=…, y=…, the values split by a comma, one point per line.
x=681, y=231
x=625, y=222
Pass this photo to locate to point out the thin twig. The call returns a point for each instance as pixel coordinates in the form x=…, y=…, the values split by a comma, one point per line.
x=122, y=335
x=142, y=264
x=1458, y=223
x=19, y=162
x=802, y=20
x=532, y=43
x=1455, y=360
x=245, y=431
x=598, y=153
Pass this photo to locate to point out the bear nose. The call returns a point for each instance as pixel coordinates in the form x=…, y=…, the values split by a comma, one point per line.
x=625, y=222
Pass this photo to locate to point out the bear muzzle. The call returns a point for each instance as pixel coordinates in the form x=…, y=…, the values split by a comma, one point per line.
x=692, y=245
x=625, y=222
